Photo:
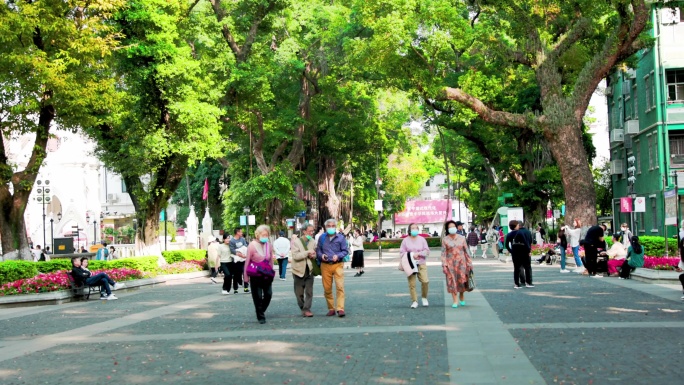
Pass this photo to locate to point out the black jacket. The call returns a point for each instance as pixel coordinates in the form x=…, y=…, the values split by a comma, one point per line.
x=526, y=236
x=80, y=275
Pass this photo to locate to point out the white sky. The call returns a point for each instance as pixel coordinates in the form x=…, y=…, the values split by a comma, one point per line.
x=599, y=129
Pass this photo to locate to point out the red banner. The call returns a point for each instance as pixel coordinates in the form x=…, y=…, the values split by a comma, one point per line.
x=626, y=205
x=433, y=211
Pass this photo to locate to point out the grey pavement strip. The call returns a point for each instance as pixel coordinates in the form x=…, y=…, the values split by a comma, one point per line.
x=481, y=350
x=18, y=348
x=597, y=325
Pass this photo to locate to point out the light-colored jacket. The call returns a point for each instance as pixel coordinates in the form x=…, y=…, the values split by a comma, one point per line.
x=357, y=243
x=213, y=254
x=281, y=248
x=224, y=253
x=300, y=256
x=573, y=236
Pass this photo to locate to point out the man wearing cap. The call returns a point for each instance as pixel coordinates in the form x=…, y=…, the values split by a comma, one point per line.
x=459, y=228
x=281, y=249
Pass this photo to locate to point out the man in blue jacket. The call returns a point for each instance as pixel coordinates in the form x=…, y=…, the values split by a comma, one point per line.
x=330, y=252
x=519, y=243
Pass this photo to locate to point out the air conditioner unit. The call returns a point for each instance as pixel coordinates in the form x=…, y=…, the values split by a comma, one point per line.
x=617, y=136
x=616, y=167
x=608, y=91
x=630, y=73
x=112, y=198
x=632, y=126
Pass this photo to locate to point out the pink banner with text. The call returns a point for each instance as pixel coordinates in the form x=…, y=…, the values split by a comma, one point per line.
x=432, y=211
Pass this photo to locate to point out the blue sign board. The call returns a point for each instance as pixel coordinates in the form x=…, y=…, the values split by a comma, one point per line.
x=301, y=214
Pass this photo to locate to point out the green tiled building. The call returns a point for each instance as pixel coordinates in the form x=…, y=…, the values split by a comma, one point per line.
x=646, y=122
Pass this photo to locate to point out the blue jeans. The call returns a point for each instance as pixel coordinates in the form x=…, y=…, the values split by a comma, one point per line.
x=282, y=265
x=575, y=253
x=562, y=255
x=101, y=279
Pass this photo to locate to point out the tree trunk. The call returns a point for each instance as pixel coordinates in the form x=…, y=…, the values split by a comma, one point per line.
x=13, y=231
x=146, y=238
x=578, y=182
x=328, y=202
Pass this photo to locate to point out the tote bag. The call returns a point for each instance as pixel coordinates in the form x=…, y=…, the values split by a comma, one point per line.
x=263, y=269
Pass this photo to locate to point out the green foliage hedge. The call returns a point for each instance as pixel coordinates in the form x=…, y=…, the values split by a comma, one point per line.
x=396, y=243
x=654, y=246
x=184, y=255
x=13, y=270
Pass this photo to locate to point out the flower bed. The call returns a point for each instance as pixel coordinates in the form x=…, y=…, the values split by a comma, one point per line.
x=43, y=283
x=184, y=267
x=660, y=263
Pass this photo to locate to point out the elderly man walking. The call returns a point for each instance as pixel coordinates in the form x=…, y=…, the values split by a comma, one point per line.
x=330, y=252
x=303, y=253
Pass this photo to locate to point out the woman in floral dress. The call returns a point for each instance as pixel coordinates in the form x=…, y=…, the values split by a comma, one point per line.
x=456, y=263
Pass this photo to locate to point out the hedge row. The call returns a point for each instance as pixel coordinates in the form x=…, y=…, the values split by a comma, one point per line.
x=184, y=255
x=654, y=246
x=396, y=243
x=11, y=271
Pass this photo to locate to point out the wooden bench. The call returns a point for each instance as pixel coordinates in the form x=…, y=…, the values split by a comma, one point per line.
x=81, y=289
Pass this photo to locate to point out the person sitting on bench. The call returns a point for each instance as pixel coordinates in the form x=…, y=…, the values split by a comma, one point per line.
x=84, y=277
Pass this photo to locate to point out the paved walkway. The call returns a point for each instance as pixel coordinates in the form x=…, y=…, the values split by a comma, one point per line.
x=569, y=329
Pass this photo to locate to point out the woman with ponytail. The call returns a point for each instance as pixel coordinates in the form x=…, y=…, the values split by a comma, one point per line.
x=635, y=258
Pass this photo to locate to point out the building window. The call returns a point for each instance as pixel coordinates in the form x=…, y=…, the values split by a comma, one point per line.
x=650, y=152
x=654, y=215
x=675, y=86
x=677, y=150
x=647, y=85
x=635, y=101
x=628, y=107
x=123, y=186
x=621, y=114
x=637, y=157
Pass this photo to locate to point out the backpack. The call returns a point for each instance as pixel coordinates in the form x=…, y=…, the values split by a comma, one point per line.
x=518, y=244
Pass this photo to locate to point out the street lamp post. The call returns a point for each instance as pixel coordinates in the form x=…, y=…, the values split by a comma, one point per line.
x=631, y=170
x=43, y=198
x=87, y=223
x=52, y=234
x=94, y=232
x=246, y=210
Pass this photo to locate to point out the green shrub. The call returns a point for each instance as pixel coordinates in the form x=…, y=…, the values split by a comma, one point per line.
x=653, y=245
x=184, y=255
x=13, y=270
x=54, y=265
x=396, y=243
x=145, y=264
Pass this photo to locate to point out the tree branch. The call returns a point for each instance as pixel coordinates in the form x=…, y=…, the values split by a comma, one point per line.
x=617, y=47
x=487, y=114
x=567, y=40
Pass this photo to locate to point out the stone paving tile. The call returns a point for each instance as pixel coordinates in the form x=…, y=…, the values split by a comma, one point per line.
x=377, y=358
x=605, y=356
x=92, y=311
x=571, y=298
x=368, y=303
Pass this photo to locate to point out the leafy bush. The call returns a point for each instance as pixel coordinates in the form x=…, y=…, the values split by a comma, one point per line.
x=543, y=249
x=145, y=264
x=184, y=255
x=14, y=270
x=660, y=263
x=396, y=243
x=654, y=245
x=56, y=264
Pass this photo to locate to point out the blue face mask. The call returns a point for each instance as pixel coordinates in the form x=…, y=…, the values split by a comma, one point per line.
x=330, y=230
x=263, y=240
x=452, y=230
x=414, y=233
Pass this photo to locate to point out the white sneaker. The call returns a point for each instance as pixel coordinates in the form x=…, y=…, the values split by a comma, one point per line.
x=225, y=292
x=117, y=286
x=683, y=298
x=564, y=271
x=111, y=297
x=484, y=257
x=318, y=277
x=213, y=280
x=597, y=276
x=414, y=305
x=425, y=302
x=579, y=270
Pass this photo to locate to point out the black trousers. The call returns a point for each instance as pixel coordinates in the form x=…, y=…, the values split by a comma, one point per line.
x=227, y=278
x=522, y=262
x=626, y=270
x=681, y=279
x=590, y=255
x=237, y=269
x=261, y=296
x=214, y=271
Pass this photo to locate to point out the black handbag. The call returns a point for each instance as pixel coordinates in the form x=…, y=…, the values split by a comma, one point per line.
x=471, y=281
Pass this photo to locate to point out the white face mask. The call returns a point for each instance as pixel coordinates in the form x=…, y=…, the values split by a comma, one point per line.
x=452, y=230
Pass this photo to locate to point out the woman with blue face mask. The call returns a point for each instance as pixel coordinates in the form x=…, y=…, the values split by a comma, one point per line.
x=456, y=263
x=259, y=250
x=414, y=249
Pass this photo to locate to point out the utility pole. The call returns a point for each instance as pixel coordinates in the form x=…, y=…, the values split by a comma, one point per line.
x=378, y=207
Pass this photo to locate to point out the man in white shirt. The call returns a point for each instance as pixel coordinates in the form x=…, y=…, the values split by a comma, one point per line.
x=281, y=248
